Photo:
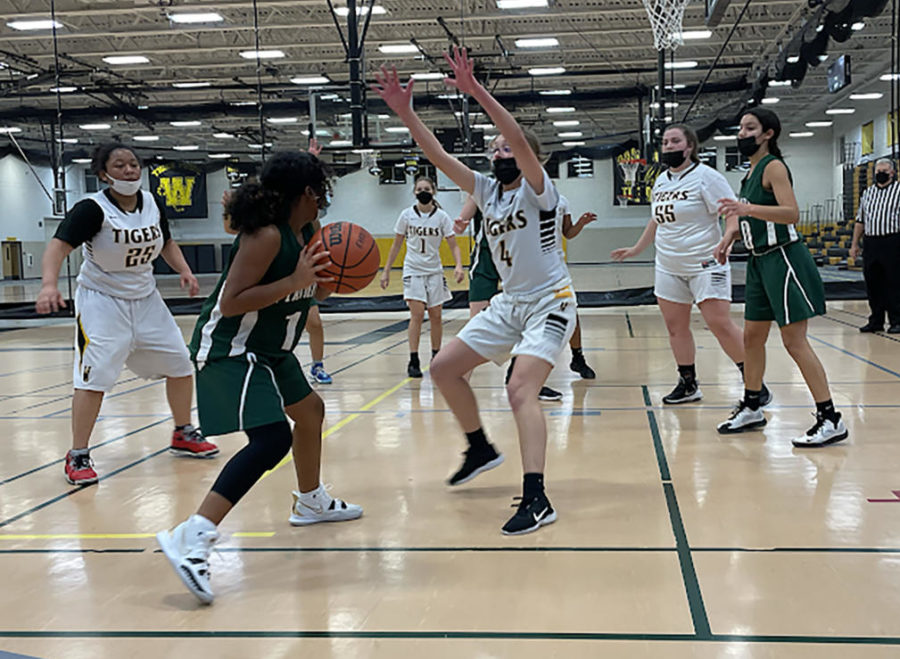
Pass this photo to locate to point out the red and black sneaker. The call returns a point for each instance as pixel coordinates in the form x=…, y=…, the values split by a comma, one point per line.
x=80, y=469
x=190, y=442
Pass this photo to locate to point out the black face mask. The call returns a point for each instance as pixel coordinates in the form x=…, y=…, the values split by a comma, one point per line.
x=882, y=177
x=424, y=197
x=747, y=146
x=672, y=158
x=506, y=170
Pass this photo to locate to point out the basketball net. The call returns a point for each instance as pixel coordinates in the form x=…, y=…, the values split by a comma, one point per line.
x=622, y=199
x=629, y=171
x=368, y=158
x=851, y=154
x=665, y=20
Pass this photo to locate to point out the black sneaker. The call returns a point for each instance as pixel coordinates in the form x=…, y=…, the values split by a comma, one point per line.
x=765, y=396
x=476, y=462
x=869, y=328
x=546, y=393
x=580, y=366
x=683, y=392
x=531, y=515
x=413, y=369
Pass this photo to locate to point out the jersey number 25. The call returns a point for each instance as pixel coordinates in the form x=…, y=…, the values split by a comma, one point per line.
x=138, y=256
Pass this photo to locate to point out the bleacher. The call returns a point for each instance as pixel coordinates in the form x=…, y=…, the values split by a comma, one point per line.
x=828, y=234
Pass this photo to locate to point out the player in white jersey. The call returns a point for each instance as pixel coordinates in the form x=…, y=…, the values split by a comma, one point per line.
x=120, y=317
x=424, y=226
x=533, y=317
x=684, y=221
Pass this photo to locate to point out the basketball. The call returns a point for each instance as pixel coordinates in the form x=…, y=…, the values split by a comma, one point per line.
x=355, y=258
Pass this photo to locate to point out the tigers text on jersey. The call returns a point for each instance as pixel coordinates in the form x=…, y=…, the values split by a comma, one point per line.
x=273, y=330
x=685, y=208
x=521, y=228
x=118, y=259
x=424, y=233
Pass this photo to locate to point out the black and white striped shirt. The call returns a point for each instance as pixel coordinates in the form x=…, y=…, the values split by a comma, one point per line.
x=879, y=210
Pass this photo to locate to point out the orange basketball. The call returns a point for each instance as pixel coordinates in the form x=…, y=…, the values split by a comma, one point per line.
x=355, y=258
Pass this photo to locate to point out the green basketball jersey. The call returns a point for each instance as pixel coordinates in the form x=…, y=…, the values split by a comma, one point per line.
x=272, y=330
x=761, y=236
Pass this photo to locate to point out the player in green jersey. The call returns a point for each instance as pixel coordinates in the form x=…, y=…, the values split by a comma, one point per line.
x=783, y=283
x=248, y=378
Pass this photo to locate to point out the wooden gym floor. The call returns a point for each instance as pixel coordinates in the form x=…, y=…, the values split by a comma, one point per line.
x=671, y=541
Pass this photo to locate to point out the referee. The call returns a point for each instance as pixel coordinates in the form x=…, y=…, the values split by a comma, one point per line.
x=879, y=220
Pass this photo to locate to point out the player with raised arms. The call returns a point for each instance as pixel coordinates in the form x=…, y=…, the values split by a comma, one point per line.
x=533, y=317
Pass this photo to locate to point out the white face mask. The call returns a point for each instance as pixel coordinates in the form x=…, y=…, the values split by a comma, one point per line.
x=126, y=188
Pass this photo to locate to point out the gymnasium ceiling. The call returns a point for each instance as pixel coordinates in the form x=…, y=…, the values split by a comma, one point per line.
x=605, y=47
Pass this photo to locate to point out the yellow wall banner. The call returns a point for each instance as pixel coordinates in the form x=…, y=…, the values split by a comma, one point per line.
x=181, y=188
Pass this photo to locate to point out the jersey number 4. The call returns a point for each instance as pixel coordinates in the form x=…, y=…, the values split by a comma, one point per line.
x=664, y=213
x=138, y=256
x=505, y=256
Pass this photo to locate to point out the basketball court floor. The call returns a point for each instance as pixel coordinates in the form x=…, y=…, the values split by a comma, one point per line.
x=671, y=540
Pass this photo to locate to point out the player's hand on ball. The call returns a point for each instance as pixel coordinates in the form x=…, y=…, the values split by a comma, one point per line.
x=309, y=264
x=385, y=279
x=622, y=253
x=49, y=300
x=459, y=274
x=190, y=281
x=460, y=225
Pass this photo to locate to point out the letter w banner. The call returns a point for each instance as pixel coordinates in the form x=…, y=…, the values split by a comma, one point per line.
x=181, y=188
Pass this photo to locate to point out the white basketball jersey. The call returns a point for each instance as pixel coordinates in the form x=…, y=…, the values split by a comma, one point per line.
x=118, y=260
x=685, y=207
x=521, y=228
x=424, y=233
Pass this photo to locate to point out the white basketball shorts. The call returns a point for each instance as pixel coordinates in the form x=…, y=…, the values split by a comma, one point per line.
x=539, y=326
x=713, y=283
x=112, y=332
x=430, y=289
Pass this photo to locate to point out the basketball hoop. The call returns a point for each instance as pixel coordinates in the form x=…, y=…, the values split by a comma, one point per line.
x=622, y=199
x=665, y=19
x=369, y=161
x=630, y=169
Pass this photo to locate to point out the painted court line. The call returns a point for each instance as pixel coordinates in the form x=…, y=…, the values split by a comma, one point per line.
x=347, y=419
x=466, y=635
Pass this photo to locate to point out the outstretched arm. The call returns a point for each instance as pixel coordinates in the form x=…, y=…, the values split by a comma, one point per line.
x=571, y=230
x=399, y=99
x=465, y=216
x=646, y=238
x=464, y=80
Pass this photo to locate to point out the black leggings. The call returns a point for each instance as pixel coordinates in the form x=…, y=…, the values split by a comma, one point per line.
x=268, y=444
